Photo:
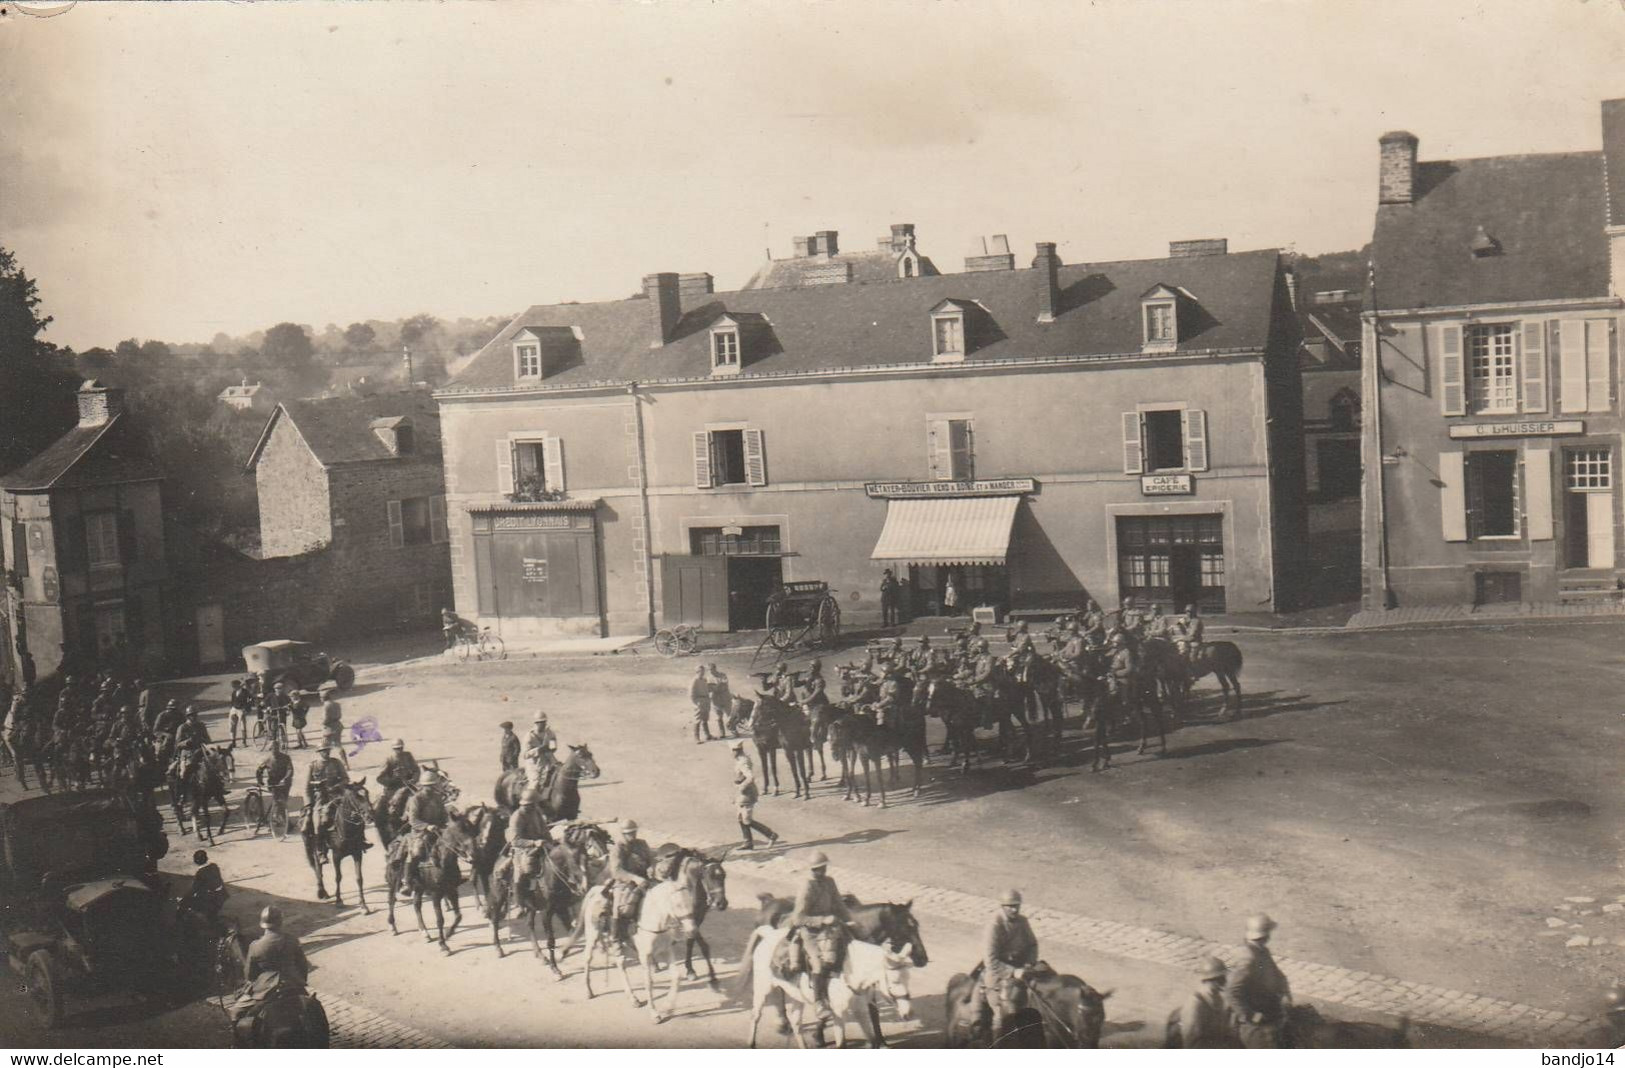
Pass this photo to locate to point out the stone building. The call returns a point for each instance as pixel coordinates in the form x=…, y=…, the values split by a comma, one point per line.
x=84, y=551
x=1492, y=415
x=1028, y=436
x=247, y=397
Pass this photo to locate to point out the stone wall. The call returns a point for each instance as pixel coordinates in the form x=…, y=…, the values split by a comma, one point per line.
x=295, y=509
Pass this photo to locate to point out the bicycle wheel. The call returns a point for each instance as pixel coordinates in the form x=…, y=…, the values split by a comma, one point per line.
x=279, y=818
x=688, y=640
x=665, y=643
x=491, y=648
x=254, y=810
x=466, y=649
x=262, y=737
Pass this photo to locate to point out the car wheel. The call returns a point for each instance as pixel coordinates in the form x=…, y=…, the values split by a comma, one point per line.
x=45, y=988
x=344, y=675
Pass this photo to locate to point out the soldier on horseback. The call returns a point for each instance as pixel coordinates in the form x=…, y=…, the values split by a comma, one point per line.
x=276, y=967
x=1011, y=951
x=426, y=817
x=1257, y=989
x=818, y=925
x=1156, y=624
x=530, y=838
x=400, y=774
x=190, y=738
x=540, y=745
x=814, y=695
x=1188, y=634
x=628, y=877
x=324, y=782
x=1092, y=620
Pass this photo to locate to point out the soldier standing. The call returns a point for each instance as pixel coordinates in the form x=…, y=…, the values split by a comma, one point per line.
x=509, y=750
x=722, y=702
x=888, y=599
x=699, y=692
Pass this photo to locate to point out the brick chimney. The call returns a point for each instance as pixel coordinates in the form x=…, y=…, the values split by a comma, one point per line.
x=994, y=255
x=825, y=244
x=1201, y=246
x=98, y=404
x=665, y=306
x=803, y=246
x=1048, y=267
x=691, y=287
x=1613, y=161
x=1396, y=177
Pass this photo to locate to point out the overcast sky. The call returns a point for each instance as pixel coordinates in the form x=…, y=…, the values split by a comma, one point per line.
x=172, y=170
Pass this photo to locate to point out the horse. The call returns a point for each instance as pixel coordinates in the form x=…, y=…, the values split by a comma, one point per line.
x=1038, y=686
x=389, y=814
x=869, y=972
x=345, y=837
x=858, y=739
x=561, y=799
x=819, y=717
x=884, y=923
x=204, y=781
x=562, y=883
x=1074, y=1012
x=1222, y=660
x=764, y=734
x=679, y=903
x=490, y=839
x=791, y=731
x=954, y=706
x=293, y=1021
x=1009, y=707
x=440, y=876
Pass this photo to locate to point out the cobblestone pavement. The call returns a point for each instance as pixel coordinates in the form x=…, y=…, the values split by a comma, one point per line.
x=353, y=1027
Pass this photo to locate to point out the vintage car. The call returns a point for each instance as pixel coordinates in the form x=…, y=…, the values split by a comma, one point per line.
x=299, y=664
x=82, y=908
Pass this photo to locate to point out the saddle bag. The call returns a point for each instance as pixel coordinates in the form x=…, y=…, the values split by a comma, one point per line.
x=789, y=958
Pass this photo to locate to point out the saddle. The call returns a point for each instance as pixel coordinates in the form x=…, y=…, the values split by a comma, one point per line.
x=255, y=995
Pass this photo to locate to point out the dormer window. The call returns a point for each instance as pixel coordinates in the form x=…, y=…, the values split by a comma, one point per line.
x=725, y=350
x=948, y=332
x=1159, y=313
x=529, y=356
x=395, y=433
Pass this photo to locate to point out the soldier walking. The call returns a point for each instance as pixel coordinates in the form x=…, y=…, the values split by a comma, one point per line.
x=699, y=692
x=745, y=798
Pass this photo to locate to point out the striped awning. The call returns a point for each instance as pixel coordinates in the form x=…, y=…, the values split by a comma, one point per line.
x=955, y=530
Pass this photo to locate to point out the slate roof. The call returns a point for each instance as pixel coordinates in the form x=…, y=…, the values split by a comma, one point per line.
x=339, y=429
x=873, y=265
x=1613, y=147
x=87, y=456
x=889, y=323
x=1547, y=213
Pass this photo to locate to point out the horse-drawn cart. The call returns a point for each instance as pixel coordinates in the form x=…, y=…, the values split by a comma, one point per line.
x=803, y=611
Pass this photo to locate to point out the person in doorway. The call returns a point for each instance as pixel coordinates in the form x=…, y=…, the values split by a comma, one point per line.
x=950, y=597
x=888, y=599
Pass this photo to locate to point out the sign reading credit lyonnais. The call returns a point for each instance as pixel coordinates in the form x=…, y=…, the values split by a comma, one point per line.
x=1518, y=430
x=1164, y=485
x=980, y=487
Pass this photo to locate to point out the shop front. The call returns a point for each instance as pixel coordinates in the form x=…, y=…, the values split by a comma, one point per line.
x=955, y=548
x=536, y=567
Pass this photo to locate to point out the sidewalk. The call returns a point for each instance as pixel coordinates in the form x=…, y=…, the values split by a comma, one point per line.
x=1482, y=614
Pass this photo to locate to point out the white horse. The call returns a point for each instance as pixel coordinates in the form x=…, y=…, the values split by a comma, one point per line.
x=870, y=973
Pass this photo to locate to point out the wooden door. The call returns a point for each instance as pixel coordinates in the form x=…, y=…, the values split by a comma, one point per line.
x=695, y=591
x=1600, y=529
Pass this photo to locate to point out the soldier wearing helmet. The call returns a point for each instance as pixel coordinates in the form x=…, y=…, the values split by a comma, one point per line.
x=818, y=923
x=1189, y=633
x=1206, y=1020
x=530, y=837
x=1010, y=954
x=1610, y=1032
x=276, y=965
x=627, y=875
x=1257, y=988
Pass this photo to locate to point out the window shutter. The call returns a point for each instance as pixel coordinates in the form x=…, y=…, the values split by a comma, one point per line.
x=1133, y=464
x=1196, y=439
x=1452, y=385
x=128, y=549
x=553, y=462
x=1453, y=495
x=1537, y=482
x=1534, y=366
x=437, y=518
x=939, y=448
x=755, y=459
x=397, y=533
x=1572, y=365
x=504, y=466
x=702, y=459
x=1598, y=398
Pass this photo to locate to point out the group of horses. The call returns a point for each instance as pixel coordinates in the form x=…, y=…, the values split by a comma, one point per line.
x=1027, y=700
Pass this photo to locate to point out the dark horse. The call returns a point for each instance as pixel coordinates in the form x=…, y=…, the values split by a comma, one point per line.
x=562, y=798
x=1222, y=660
x=566, y=874
x=957, y=710
x=440, y=877
x=1038, y=686
x=490, y=838
x=1073, y=1012
x=773, y=725
x=346, y=836
x=203, y=782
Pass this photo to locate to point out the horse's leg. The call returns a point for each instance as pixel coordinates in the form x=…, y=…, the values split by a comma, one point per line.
x=552, y=954
x=225, y=814
x=338, y=879
x=360, y=887
x=880, y=775
x=676, y=976
x=417, y=910
x=455, y=899
x=1235, y=682
x=530, y=923
x=876, y=1037
x=705, y=951
x=439, y=922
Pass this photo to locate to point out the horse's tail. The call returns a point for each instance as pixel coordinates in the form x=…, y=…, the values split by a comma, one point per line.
x=747, y=962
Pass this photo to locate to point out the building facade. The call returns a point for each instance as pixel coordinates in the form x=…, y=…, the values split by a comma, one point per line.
x=1028, y=437
x=84, y=549
x=1493, y=415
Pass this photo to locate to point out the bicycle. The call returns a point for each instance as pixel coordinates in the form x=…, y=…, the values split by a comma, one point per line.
x=481, y=645
x=275, y=813
x=680, y=640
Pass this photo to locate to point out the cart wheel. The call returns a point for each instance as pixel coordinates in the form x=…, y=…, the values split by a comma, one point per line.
x=687, y=641
x=344, y=675
x=665, y=643
x=491, y=648
x=779, y=638
x=829, y=621
x=254, y=811
x=45, y=988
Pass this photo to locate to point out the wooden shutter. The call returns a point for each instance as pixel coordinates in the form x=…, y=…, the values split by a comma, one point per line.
x=1453, y=495
x=437, y=518
x=755, y=458
x=702, y=459
x=1572, y=365
x=939, y=449
x=553, y=462
x=1598, y=394
x=1195, y=439
x=129, y=550
x=1534, y=366
x=1133, y=463
x=504, y=466
x=1452, y=383
x=397, y=533
x=1537, y=484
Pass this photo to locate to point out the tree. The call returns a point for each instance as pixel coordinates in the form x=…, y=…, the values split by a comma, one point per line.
x=289, y=358
x=36, y=390
x=415, y=328
x=359, y=336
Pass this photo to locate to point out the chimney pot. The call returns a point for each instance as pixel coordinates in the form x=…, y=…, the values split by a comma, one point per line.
x=665, y=306
x=1396, y=174
x=690, y=287
x=1047, y=266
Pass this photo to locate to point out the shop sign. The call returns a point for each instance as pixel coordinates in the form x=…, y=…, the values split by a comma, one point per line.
x=49, y=584
x=1533, y=429
x=530, y=522
x=1166, y=485
x=733, y=532
x=978, y=487
x=534, y=569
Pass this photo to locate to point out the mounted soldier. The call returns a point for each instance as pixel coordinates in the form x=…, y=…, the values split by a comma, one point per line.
x=1092, y=620
x=921, y=660
x=1122, y=665
x=190, y=738
x=323, y=783
x=1190, y=633
x=530, y=838
x=1206, y=1020
x=1130, y=617
x=1010, y=951
x=627, y=876
x=426, y=817
x=818, y=927
x=1258, y=990
x=399, y=773
x=540, y=745
x=276, y=966
x=1156, y=624
x=814, y=696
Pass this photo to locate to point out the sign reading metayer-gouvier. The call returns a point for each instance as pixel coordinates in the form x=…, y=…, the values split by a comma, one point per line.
x=1163, y=485
x=979, y=487
x=1531, y=429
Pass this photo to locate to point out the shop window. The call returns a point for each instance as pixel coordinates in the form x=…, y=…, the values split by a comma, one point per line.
x=1492, y=494
x=748, y=541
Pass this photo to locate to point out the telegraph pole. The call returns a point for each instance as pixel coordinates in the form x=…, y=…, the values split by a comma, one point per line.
x=406, y=355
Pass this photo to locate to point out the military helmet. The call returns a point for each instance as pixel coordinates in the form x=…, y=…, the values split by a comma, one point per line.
x=1190, y=609
x=1210, y=968
x=271, y=918
x=1011, y=897
x=541, y=717
x=1259, y=924
x=400, y=743
x=200, y=857
x=324, y=749
x=818, y=860
x=629, y=825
